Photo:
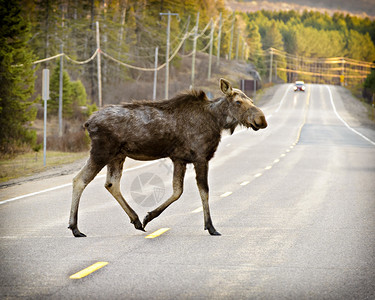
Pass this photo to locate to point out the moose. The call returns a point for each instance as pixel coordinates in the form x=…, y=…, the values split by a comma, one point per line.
x=186, y=128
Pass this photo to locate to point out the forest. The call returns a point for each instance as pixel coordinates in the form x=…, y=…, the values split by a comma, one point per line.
x=312, y=39
x=130, y=30
x=282, y=46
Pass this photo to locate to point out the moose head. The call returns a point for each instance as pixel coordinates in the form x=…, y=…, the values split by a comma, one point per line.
x=241, y=108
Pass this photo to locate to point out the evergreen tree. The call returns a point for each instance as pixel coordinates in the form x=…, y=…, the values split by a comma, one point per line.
x=360, y=46
x=79, y=96
x=290, y=40
x=17, y=79
x=370, y=82
x=256, y=52
x=74, y=94
x=45, y=27
x=53, y=103
x=273, y=38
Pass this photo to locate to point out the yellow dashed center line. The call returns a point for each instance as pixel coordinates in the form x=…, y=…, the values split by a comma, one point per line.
x=244, y=183
x=157, y=233
x=89, y=270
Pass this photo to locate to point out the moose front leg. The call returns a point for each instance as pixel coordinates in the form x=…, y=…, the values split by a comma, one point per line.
x=179, y=169
x=201, y=170
x=80, y=181
x=114, y=172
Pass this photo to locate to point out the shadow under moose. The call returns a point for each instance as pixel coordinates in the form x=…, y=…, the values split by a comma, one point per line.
x=186, y=128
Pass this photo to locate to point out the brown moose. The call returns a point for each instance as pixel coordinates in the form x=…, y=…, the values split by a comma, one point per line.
x=186, y=128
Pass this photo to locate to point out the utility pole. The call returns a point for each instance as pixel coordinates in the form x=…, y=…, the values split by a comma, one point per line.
x=99, y=66
x=121, y=33
x=61, y=73
x=218, y=41
x=211, y=44
x=61, y=91
x=45, y=97
x=238, y=43
x=194, y=51
x=243, y=50
x=187, y=29
x=231, y=38
x=342, y=78
x=270, y=75
x=169, y=14
x=275, y=70
x=156, y=73
x=255, y=86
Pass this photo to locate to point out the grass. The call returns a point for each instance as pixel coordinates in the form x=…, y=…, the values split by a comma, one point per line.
x=31, y=163
x=357, y=93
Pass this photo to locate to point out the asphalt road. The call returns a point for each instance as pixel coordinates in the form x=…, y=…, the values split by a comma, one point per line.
x=295, y=204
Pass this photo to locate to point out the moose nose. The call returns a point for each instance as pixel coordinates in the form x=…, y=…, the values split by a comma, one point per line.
x=261, y=122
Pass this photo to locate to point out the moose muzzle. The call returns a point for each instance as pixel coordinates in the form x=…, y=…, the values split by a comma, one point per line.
x=260, y=121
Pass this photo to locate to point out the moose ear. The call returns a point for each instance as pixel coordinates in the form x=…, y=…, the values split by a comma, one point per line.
x=225, y=86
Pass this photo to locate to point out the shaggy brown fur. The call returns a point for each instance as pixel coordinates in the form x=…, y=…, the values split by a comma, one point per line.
x=186, y=128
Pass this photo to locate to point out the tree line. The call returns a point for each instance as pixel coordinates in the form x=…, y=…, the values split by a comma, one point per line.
x=310, y=35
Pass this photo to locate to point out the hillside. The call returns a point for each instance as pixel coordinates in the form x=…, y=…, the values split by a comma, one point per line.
x=142, y=88
x=360, y=8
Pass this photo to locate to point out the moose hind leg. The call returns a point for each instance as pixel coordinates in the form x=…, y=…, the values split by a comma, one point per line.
x=114, y=173
x=201, y=170
x=80, y=181
x=178, y=182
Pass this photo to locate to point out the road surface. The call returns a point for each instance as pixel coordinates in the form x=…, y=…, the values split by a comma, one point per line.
x=295, y=204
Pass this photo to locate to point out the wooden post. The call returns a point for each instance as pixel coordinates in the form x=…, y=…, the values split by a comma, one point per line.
x=99, y=66
x=211, y=44
x=45, y=97
x=194, y=52
x=218, y=41
x=155, y=73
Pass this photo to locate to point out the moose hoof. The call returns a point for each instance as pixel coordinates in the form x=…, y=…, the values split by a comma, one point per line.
x=147, y=219
x=138, y=225
x=76, y=232
x=213, y=231
x=79, y=234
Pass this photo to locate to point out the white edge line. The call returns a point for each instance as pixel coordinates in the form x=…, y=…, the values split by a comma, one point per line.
x=342, y=120
x=69, y=184
x=282, y=99
x=35, y=193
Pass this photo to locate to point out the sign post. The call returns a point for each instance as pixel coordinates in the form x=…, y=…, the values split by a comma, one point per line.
x=45, y=97
x=342, y=79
